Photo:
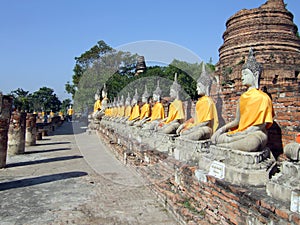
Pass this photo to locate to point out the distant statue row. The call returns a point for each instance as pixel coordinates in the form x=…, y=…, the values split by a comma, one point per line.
x=248, y=132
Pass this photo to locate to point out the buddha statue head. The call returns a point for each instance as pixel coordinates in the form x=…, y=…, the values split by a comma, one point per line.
x=122, y=101
x=135, y=98
x=157, y=93
x=97, y=95
x=128, y=100
x=104, y=91
x=251, y=71
x=175, y=88
x=145, y=96
x=204, y=82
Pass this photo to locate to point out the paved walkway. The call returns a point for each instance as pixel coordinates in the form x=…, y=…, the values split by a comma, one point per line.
x=74, y=179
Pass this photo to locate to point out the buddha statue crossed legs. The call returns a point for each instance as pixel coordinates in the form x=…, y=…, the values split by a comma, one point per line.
x=254, y=114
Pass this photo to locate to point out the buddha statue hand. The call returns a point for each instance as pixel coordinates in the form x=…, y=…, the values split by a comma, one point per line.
x=180, y=128
x=214, y=138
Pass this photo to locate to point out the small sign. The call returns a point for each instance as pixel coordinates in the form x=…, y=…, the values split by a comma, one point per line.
x=217, y=169
x=295, y=201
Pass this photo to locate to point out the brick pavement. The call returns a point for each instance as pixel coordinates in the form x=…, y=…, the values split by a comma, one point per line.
x=74, y=179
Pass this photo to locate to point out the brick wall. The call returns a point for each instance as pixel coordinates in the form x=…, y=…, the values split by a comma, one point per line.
x=194, y=201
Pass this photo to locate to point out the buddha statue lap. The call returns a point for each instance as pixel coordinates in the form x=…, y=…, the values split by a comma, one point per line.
x=254, y=114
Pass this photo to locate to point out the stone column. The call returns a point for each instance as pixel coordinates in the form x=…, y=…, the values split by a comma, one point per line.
x=5, y=113
x=16, y=133
x=30, y=135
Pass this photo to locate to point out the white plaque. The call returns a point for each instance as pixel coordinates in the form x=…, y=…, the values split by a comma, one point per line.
x=295, y=197
x=217, y=169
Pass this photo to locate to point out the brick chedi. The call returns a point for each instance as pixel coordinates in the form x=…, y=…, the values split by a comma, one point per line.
x=271, y=32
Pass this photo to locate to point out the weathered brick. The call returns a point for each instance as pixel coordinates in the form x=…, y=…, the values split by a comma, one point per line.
x=283, y=213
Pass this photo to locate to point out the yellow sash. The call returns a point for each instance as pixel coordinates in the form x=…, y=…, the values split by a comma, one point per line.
x=176, y=111
x=135, y=112
x=145, y=111
x=157, y=112
x=255, y=108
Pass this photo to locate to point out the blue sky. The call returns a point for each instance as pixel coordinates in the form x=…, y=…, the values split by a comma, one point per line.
x=40, y=38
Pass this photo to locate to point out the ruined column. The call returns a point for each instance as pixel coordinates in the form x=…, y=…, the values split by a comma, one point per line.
x=5, y=113
x=30, y=135
x=16, y=133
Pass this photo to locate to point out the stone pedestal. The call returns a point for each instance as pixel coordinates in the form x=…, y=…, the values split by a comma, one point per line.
x=188, y=150
x=5, y=113
x=285, y=186
x=16, y=133
x=240, y=168
x=31, y=130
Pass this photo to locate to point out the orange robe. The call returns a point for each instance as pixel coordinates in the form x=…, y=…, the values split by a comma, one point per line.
x=145, y=111
x=205, y=111
x=176, y=111
x=157, y=112
x=128, y=111
x=97, y=105
x=135, y=112
x=255, y=108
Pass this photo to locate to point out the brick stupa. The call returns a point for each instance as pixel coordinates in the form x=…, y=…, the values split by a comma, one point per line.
x=270, y=30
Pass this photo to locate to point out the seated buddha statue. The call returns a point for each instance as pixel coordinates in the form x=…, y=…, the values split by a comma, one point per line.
x=176, y=114
x=121, y=109
x=100, y=106
x=254, y=114
x=205, y=121
x=97, y=104
x=157, y=111
x=145, y=109
x=135, y=112
x=128, y=109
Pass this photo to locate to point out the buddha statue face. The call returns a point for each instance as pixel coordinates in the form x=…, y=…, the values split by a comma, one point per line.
x=201, y=89
x=144, y=99
x=156, y=97
x=134, y=101
x=173, y=93
x=248, y=78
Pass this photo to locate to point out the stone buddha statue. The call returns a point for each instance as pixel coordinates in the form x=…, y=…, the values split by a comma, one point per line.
x=135, y=113
x=121, y=109
x=176, y=114
x=145, y=109
x=205, y=121
x=254, y=114
x=157, y=111
x=127, y=109
x=97, y=104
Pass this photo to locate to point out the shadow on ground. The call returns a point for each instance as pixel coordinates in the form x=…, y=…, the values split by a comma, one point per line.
x=39, y=180
x=43, y=161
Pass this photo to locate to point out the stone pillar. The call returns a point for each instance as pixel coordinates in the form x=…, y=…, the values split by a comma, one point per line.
x=16, y=133
x=5, y=113
x=30, y=135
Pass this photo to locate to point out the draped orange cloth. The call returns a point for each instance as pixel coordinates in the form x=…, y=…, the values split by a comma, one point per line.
x=145, y=111
x=135, y=112
x=255, y=108
x=176, y=111
x=121, y=111
x=205, y=111
x=97, y=105
x=128, y=111
x=157, y=111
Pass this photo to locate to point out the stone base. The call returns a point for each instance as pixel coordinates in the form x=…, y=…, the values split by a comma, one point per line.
x=188, y=150
x=283, y=184
x=241, y=168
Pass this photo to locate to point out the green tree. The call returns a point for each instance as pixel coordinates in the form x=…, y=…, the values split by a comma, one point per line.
x=21, y=99
x=45, y=100
x=85, y=61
